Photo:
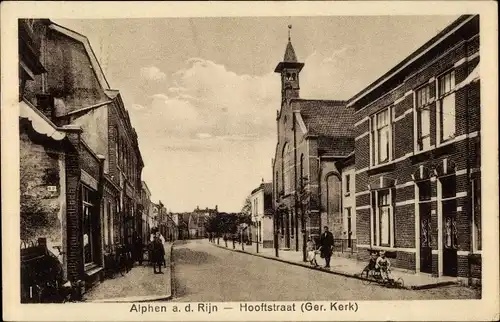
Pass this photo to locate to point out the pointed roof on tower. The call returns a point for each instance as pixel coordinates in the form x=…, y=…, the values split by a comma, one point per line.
x=290, y=58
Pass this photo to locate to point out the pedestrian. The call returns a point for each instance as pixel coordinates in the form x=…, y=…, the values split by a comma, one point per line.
x=326, y=244
x=158, y=254
x=311, y=252
x=139, y=249
x=156, y=232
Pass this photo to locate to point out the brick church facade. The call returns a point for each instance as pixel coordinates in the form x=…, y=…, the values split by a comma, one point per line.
x=314, y=138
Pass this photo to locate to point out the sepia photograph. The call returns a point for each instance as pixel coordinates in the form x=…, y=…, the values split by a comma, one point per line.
x=252, y=159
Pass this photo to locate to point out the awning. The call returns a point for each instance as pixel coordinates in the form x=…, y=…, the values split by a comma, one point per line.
x=40, y=123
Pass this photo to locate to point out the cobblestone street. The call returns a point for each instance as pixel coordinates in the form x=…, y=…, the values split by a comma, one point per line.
x=204, y=272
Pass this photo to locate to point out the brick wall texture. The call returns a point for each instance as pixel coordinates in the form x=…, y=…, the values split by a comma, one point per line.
x=462, y=55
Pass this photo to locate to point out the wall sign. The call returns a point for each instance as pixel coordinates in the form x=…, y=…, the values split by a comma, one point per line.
x=52, y=188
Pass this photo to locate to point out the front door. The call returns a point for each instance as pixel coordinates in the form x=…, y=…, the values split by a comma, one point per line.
x=449, y=245
x=425, y=239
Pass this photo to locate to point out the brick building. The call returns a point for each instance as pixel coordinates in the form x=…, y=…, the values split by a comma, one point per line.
x=417, y=157
x=314, y=137
x=65, y=96
x=62, y=173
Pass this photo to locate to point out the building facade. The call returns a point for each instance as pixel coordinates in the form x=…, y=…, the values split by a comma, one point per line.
x=418, y=157
x=146, y=212
x=314, y=136
x=68, y=121
x=261, y=200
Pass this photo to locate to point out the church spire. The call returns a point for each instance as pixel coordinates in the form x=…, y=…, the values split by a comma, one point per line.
x=289, y=69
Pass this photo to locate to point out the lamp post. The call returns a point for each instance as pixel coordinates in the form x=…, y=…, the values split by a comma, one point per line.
x=304, y=200
x=275, y=229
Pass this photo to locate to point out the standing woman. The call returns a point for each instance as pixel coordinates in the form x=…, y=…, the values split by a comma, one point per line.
x=157, y=254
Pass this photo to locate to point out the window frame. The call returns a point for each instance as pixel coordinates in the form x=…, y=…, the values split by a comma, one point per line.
x=375, y=218
x=374, y=136
x=439, y=106
x=419, y=138
x=88, y=205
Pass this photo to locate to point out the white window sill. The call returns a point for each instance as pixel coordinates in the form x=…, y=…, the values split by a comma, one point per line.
x=418, y=152
x=381, y=165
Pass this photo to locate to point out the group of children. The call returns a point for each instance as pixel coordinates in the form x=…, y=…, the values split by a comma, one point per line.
x=378, y=261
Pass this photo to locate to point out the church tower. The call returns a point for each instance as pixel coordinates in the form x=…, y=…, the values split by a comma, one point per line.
x=289, y=69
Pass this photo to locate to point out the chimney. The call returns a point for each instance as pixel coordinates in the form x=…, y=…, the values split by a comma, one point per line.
x=45, y=103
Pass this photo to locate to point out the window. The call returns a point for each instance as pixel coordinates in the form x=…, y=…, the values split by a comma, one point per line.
x=301, y=171
x=109, y=224
x=277, y=186
x=90, y=229
x=446, y=94
x=286, y=169
x=349, y=226
x=347, y=183
x=422, y=100
x=117, y=149
x=292, y=219
x=382, y=218
x=476, y=214
x=381, y=137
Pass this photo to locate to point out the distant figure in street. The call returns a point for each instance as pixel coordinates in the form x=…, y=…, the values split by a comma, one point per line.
x=157, y=254
x=326, y=244
x=138, y=249
x=311, y=252
x=157, y=233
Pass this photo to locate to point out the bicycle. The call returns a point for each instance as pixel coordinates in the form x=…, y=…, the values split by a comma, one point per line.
x=370, y=275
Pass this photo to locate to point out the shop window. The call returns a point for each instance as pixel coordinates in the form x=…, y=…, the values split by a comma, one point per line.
x=90, y=226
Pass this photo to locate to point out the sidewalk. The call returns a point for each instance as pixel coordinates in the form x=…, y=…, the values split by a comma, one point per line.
x=138, y=285
x=342, y=266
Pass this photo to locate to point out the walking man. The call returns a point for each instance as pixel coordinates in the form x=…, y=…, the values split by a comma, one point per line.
x=326, y=243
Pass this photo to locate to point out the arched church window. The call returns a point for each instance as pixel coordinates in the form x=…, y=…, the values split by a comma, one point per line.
x=287, y=170
x=294, y=76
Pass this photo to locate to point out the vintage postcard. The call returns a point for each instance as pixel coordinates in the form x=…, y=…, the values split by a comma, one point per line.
x=250, y=161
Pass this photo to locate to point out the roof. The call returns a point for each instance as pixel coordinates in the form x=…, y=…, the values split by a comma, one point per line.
x=290, y=56
x=449, y=30
x=327, y=118
x=268, y=188
x=96, y=67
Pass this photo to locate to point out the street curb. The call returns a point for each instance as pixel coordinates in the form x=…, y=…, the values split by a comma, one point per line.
x=413, y=287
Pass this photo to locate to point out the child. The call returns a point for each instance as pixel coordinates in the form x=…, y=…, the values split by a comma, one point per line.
x=311, y=252
x=384, y=265
x=158, y=254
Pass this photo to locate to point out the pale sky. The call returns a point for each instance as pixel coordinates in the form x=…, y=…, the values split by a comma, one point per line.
x=203, y=97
